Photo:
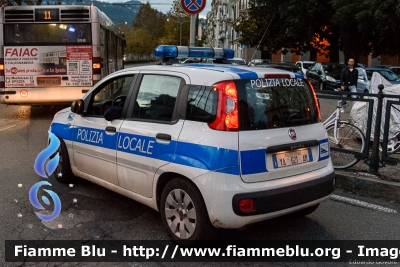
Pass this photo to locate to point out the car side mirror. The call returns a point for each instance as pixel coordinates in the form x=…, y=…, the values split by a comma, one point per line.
x=319, y=72
x=77, y=106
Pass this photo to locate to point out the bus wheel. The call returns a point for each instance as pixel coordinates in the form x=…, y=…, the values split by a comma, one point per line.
x=63, y=172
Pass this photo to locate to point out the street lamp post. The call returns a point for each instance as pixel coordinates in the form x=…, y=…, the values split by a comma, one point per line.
x=180, y=28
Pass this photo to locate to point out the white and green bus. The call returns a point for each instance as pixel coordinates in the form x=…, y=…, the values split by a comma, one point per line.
x=55, y=54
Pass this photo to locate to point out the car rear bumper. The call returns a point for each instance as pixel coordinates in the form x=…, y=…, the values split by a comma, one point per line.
x=222, y=193
x=285, y=197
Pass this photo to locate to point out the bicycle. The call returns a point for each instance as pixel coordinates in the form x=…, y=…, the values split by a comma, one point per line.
x=343, y=135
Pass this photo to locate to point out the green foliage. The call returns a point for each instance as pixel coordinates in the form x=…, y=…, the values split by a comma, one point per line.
x=177, y=26
x=380, y=22
x=261, y=14
x=146, y=32
x=357, y=27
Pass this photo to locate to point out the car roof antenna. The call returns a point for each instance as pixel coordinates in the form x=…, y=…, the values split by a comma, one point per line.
x=258, y=46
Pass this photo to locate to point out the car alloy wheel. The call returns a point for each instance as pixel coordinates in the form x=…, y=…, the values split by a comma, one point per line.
x=183, y=212
x=180, y=213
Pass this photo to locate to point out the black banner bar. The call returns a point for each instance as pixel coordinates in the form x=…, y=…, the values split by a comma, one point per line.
x=355, y=251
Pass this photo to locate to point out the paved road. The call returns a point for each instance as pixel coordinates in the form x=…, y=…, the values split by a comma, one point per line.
x=99, y=214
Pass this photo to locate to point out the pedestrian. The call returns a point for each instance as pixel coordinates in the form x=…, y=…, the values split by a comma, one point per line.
x=348, y=79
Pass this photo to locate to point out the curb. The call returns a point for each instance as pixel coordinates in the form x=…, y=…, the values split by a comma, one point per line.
x=368, y=185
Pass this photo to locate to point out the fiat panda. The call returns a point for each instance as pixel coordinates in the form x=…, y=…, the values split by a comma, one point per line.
x=207, y=145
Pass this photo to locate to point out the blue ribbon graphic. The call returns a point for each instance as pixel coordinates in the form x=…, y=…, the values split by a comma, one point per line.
x=40, y=165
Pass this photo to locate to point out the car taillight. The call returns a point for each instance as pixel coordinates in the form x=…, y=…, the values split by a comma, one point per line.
x=227, y=117
x=315, y=100
x=246, y=205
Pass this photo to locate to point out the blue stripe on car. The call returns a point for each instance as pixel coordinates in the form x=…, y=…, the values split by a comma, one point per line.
x=242, y=73
x=253, y=161
x=206, y=157
x=188, y=154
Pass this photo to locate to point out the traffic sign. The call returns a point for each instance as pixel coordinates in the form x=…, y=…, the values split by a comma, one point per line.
x=193, y=6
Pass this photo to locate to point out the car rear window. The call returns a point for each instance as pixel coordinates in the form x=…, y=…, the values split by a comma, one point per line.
x=275, y=103
x=395, y=70
x=202, y=103
x=334, y=69
x=307, y=65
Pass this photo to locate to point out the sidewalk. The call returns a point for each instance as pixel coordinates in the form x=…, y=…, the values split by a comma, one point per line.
x=369, y=185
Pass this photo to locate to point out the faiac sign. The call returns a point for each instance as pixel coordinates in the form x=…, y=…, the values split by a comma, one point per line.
x=28, y=66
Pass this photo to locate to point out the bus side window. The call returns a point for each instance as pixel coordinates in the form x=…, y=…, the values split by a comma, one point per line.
x=101, y=37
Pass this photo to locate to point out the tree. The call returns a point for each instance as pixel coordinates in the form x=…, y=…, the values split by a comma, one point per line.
x=148, y=28
x=309, y=28
x=294, y=24
x=357, y=27
x=177, y=26
x=379, y=21
x=345, y=16
x=252, y=25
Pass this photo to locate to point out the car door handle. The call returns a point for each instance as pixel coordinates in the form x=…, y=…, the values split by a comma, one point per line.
x=163, y=137
x=111, y=129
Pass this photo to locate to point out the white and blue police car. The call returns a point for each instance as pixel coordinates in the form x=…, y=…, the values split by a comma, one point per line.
x=208, y=145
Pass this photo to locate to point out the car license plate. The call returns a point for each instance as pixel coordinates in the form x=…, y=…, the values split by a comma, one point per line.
x=49, y=81
x=291, y=158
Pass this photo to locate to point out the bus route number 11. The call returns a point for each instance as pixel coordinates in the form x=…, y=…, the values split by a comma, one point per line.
x=47, y=15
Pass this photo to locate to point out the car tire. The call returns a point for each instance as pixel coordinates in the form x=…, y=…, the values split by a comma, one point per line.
x=183, y=212
x=64, y=166
x=321, y=86
x=306, y=211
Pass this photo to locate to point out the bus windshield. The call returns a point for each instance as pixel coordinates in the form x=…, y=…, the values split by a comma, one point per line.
x=54, y=34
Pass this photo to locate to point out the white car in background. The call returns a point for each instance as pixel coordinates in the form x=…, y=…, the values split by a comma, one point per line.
x=304, y=65
x=237, y=61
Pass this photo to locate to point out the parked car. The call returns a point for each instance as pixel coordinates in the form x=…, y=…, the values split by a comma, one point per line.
x=365, y=76
x=190, y=60
x=359, y=65
x=384, y=66
x=396, y=70
x=304, y=65
x=325, y=75
x=237, y=61
x=256, y=62
x=283, y=66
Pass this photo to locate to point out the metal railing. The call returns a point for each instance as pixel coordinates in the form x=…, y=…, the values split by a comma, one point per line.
x=371, y=158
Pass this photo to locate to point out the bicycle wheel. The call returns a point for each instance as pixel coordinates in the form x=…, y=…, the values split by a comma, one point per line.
x=350, y=138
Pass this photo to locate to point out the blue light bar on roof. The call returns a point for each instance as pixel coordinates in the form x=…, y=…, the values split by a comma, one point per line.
x=173, y=51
